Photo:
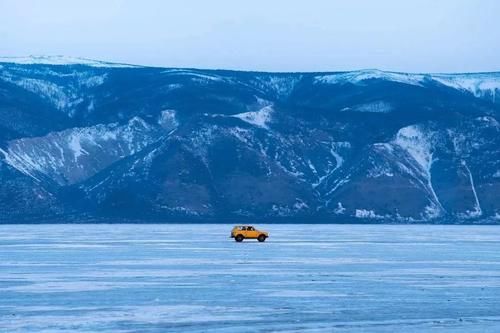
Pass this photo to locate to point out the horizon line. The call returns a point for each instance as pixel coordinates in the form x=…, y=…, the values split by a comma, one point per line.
x=137, y=66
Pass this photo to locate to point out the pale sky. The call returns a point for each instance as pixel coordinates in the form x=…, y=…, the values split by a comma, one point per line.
x=269, y=35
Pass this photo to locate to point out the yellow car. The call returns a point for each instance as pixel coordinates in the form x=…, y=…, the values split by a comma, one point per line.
x=240, y=232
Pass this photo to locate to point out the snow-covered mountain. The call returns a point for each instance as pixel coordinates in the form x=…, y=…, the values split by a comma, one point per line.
x=83, y=139
x=61, y=60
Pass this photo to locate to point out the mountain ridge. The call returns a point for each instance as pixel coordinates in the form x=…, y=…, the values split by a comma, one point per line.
x=148, y=143
x=62, y=60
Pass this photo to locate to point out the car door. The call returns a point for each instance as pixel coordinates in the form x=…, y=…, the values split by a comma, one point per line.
x=252, y=233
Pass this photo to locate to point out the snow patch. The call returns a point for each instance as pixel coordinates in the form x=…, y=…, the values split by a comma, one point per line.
x=337, y=184
x=359, y=77
x=489, y=121
x=431, y=211
x=477, y=212
x=242, y=135
x=260, y=118
x=366, y=214
x=382, y=167
x=172, y=86
x=194, y=76
x=373, y=107
x=90, y=81
x=419, y=146
x=339, y=160
x=75, y=145
x=340, y=209
x=60, y=97
x=485, y=85
x=63, y=97
x=22, y=163
x=379, y=171
x=60, y=61
x=168, y=120
x=73, y=155
x=181, y=210
x=281, y=86
x=300, y=205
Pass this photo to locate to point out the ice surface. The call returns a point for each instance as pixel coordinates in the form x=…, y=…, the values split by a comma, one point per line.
x=305, y=278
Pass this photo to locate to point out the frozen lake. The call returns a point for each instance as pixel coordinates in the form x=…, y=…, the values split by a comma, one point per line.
x=305, y=278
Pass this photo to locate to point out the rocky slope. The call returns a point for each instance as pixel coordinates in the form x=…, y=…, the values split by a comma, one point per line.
x=82, y=140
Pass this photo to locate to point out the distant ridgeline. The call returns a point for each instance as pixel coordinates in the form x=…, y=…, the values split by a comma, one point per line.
x=83, y=140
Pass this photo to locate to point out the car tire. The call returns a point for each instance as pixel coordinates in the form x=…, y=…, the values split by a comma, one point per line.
x=239, y=238
x=261, y=238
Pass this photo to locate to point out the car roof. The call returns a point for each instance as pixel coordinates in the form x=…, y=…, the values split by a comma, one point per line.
x=243, y=225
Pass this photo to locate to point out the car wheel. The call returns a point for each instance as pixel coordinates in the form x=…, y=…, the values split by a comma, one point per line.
x=239, y=238
x=261, y=238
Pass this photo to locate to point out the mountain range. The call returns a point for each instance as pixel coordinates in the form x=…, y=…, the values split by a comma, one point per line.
x=84, y=140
